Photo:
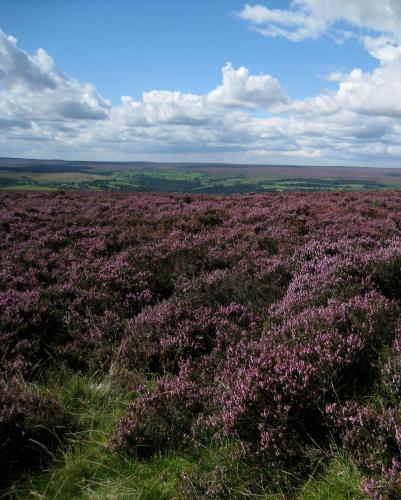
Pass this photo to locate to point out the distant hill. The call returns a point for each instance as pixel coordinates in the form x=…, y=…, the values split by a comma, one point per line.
x=189, y=177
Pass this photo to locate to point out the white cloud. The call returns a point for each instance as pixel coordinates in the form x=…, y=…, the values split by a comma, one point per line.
x=382, y=48
x=32, y=89
x=270, y=155
x=41, y=105
x=296, y=24
x=383, y=16
x=240, y=89
x=377, y=93
x=335, y=76
x=162, y=106
x=246, y=117
x=311, y=18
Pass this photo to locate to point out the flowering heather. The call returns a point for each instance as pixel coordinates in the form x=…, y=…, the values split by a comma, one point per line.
x=272, y=319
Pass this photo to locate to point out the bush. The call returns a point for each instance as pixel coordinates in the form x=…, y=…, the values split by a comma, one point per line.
x=372, y=435
x=243, y=316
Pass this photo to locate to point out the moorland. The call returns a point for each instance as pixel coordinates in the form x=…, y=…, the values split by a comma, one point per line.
x=200, y=346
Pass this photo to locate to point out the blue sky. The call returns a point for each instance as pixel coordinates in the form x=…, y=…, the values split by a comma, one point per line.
x=127, y=48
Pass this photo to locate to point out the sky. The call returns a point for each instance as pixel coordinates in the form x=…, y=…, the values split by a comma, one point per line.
x=275, y=81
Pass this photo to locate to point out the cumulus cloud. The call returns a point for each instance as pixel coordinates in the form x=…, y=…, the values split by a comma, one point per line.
x=382, y=48
x=201, y=116
x=162, y=106
x=240, y=89
x=17, y=68
x=246, y=117
x=38, y=103
x=376, y=93
x=32, y=89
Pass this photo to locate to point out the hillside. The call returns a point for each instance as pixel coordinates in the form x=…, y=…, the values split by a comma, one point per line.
x=195, y=178
x=193, y=346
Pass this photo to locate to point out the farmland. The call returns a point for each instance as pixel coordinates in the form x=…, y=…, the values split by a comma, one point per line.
x=198, y=346
x=196, y=178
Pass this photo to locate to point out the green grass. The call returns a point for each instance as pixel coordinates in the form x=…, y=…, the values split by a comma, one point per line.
x=88, y=469
x=183, y=180
x=339, y=480
x=28, y=187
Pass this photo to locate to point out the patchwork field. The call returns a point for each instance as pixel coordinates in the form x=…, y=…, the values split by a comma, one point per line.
x=190, y=346
x=189, y=178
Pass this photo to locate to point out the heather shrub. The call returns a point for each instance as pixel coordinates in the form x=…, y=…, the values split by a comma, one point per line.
x=209, y=218
x=177, y=263
x=244, y=318
x=162, y=336
x=158, y=420
x=191, y=358
x=320, y=354
x=90, y=345
x=390, y=378
x=41, y=326
x=387, y=276
x=325, y=270
x=31, y=427
x=175, y=331
x=372, y=435
x=253, y=283
x=31, y=325
x=388, y=383
x=269, y=245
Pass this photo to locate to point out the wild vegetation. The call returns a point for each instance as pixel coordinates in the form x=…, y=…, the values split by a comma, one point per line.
x=182, y=346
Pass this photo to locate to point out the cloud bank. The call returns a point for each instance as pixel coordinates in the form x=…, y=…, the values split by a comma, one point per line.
x=44, y=112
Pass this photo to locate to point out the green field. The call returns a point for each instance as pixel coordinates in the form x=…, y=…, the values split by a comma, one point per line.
x=190, y=178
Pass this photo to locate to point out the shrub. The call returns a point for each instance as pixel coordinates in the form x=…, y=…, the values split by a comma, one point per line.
x=269, y=245
x=272, y=392
x=372, y=435
x=242, y=316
